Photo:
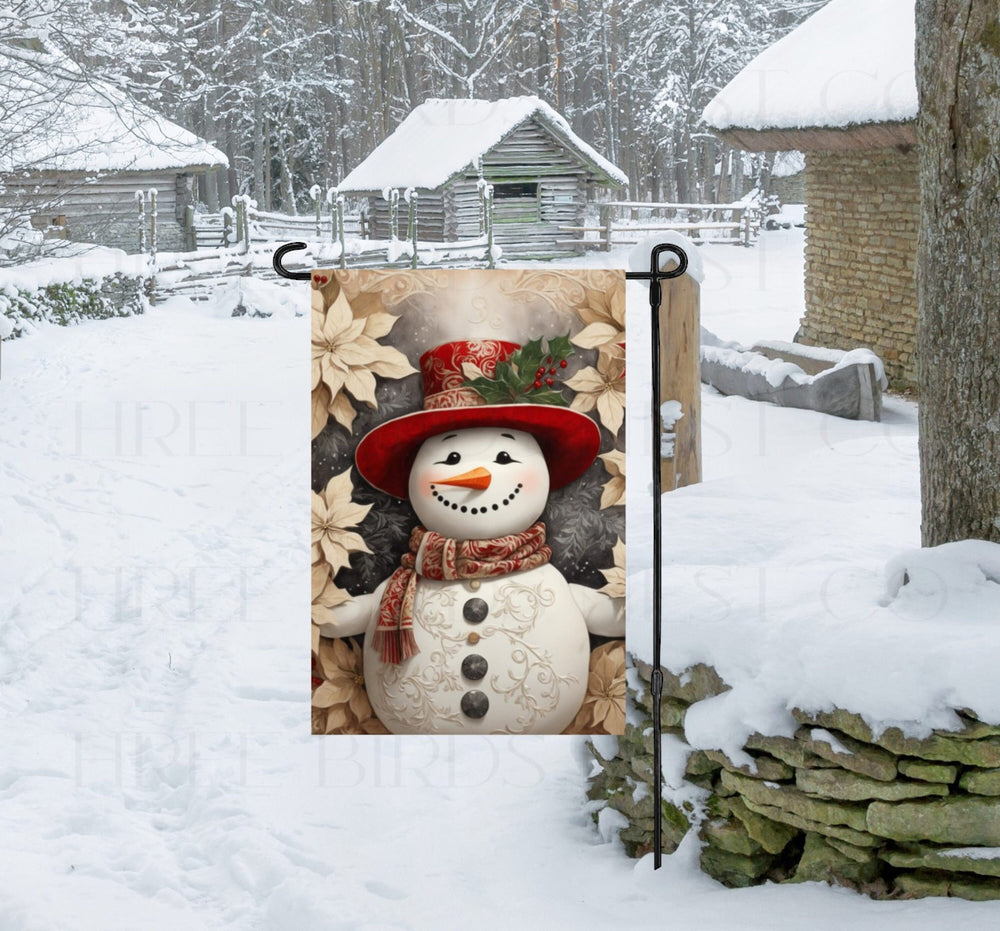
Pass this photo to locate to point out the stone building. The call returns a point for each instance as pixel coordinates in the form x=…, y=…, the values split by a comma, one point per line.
x=841, y=89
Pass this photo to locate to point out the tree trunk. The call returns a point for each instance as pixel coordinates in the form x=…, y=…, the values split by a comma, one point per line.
x=958, y=269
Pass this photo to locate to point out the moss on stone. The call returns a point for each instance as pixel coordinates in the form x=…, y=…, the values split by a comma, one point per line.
x=956, y=820
x=851, y=787
x=928, y=772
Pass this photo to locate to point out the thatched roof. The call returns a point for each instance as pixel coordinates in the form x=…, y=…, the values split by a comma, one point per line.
x=844, y=79
x=55, y=117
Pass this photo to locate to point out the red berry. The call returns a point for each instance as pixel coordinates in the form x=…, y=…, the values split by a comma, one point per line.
x=549, y=359
x=552, y=370
x=562, y=364
x=538, y=384
x=541, y=370
x=550, y=381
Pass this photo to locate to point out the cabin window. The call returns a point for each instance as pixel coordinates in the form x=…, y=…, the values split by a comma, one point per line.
x=516, y=202
x=514, y=189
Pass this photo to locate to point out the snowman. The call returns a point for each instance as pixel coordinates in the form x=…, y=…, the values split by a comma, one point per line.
x=476, y=632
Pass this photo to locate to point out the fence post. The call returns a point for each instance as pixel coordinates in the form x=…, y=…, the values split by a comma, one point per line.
x=604, y=214
x=413, y=226
x=314, y=193
x=394, y=214
x=488, y=203
x=680, y=379
x=152, y=226
x=331, y=199
x=140, y=199
x=341, y=238
x=746, y=226
x=243, y=218
x=190, y=234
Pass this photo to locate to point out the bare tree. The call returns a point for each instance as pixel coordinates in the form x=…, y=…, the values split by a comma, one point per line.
x=958, y=268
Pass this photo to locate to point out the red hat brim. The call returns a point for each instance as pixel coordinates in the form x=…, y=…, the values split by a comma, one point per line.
x=569, y=440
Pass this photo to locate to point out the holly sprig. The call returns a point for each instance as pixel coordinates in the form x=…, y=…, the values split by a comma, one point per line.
x=528, y=374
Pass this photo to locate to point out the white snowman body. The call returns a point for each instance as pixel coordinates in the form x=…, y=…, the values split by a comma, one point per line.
x=500, y=654
x=514, y=648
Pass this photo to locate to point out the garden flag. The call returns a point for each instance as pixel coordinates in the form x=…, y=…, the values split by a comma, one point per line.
x=468, y=501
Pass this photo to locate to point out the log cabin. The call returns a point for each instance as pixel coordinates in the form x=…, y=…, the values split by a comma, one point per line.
x=542, y=174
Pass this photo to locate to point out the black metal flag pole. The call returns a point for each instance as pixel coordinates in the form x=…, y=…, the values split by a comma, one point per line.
x=654, y=276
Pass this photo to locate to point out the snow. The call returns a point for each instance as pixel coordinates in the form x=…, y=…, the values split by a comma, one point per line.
x=777, y=370
x=157, y=768
x=76, y=262
x=973, y=853
x=851, y=62
x=444, y=136
x=70, y=121
x=639, y=255
x=774, y=566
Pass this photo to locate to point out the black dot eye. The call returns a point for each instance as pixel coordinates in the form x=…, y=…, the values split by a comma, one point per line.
x=504, y=458
x=452, y=459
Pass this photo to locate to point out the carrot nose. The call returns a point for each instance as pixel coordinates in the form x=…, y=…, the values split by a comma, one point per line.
x=477, y=478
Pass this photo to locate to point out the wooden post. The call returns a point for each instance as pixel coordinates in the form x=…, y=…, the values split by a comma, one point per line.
x=190, y=236
x=140, y=199
x=413, y=227
x=394, y=214
x=339, y=217
x=152, y=225
x=604, y=213
x=680, y=378
x=488, y=197
x=315, y=191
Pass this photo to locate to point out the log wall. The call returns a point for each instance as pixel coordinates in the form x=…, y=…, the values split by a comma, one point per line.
x=102, y=209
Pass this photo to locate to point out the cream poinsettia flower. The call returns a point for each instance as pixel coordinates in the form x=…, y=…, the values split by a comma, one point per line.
x=342, y=694
x=346, y=357
x=604, y=316
x=603, y=708
x=615, y=576
x=333, y=512
x=326, y=594
x=613, y=492
x=602, y=387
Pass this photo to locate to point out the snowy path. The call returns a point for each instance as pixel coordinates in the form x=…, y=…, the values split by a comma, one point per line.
x=157, y=768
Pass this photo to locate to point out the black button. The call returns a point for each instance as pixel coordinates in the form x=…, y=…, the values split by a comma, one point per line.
x=475, y=704
x=475, y=610
x=474, y=666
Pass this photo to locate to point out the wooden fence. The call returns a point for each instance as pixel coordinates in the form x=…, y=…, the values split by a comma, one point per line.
x=228, y=228
x=624, y=222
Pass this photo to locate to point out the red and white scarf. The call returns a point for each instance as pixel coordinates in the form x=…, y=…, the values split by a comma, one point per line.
x=432, y=556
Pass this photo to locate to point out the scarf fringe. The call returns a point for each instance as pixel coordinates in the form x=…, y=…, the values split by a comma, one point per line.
x=394, y=646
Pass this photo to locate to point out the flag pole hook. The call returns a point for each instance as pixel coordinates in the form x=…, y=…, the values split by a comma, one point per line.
x=280, y=253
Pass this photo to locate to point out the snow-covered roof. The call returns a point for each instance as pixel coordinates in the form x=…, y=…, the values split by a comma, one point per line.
x=443, y=137
x=63, y=120
x=850, y=63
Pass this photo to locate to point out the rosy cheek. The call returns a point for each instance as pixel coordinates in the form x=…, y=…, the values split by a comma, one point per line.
x=530, y=479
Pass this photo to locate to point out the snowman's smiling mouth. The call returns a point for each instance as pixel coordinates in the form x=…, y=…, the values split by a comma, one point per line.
x=476, y=509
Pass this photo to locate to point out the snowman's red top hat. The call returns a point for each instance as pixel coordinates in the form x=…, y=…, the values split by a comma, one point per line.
x=569, y=440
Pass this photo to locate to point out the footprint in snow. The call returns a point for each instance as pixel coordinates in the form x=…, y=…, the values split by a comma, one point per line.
x=385, y=890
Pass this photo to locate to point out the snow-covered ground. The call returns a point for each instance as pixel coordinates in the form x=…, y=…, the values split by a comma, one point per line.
x=158, y=770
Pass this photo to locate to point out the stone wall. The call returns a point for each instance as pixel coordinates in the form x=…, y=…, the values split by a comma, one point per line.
x=887, y=815
x=861, y=245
